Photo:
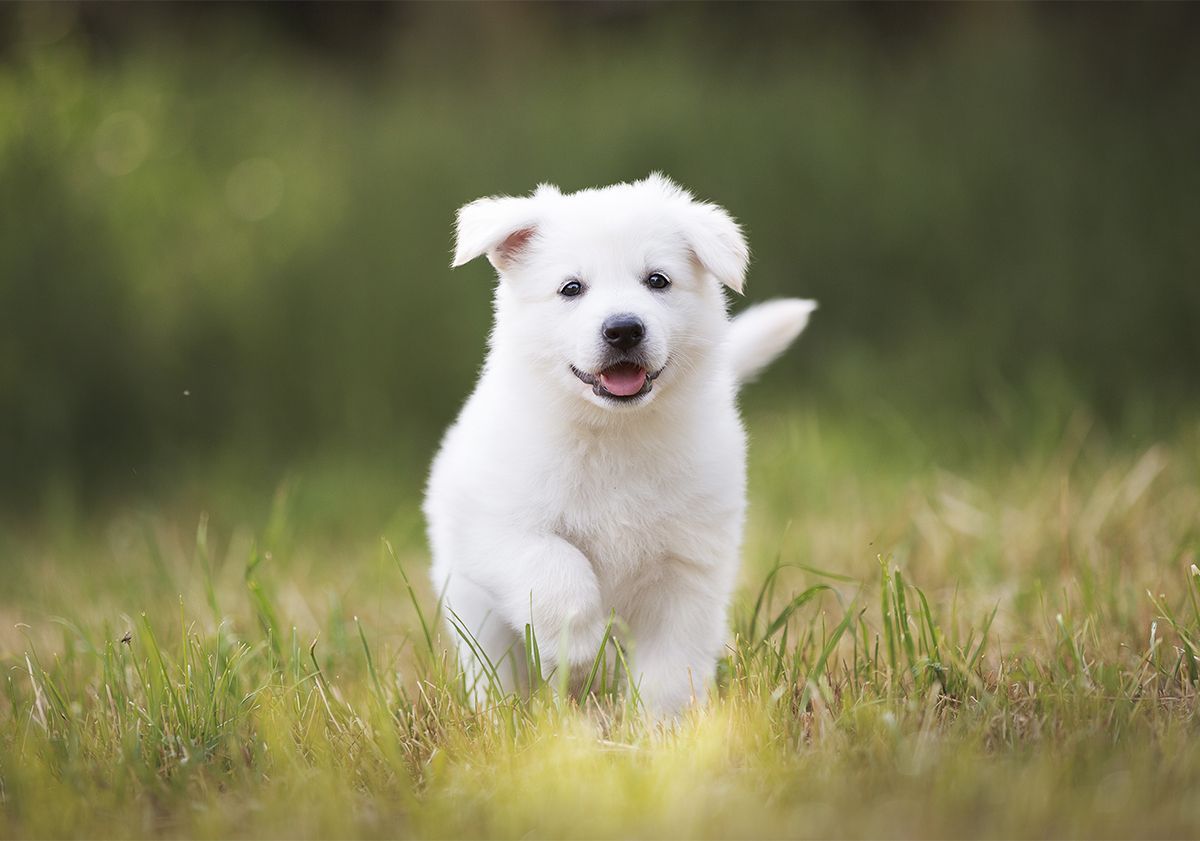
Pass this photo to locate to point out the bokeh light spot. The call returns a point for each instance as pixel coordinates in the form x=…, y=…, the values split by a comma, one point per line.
x=122, y=143
x=254, y=189
x=43, y=24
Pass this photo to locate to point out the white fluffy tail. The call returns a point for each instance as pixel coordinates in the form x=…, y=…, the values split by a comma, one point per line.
x=763, y=332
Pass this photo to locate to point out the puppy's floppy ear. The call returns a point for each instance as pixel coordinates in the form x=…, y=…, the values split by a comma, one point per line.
x=711, y=233
x=718, y=243
x=501, y=227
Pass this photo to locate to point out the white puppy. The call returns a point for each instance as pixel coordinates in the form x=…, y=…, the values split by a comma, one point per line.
x=599, y=466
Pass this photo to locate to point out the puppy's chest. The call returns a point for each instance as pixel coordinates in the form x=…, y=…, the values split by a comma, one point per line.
x=626, y=510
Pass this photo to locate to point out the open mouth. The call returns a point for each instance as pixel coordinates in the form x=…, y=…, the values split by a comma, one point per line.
x=622, y=382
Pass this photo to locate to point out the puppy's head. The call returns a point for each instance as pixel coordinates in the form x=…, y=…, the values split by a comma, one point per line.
x=613, y=295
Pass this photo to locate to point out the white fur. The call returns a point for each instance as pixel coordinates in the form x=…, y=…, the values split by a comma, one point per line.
x=763, y=332
x=552, y=505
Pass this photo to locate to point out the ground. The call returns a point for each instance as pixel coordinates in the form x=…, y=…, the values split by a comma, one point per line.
x=987, y=632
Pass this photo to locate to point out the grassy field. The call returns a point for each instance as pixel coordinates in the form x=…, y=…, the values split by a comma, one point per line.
x=229, y=339
x=991, y=632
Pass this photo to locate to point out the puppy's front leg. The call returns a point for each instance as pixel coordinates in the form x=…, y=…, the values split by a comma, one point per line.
x=546, y=580
x=677, y=642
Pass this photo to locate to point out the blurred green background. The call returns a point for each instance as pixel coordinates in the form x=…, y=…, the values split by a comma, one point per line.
x=225, y=230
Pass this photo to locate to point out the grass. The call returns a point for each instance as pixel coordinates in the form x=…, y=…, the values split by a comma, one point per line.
x=935, y=637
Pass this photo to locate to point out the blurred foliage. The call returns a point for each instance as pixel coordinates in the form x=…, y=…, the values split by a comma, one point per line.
x=224, y=233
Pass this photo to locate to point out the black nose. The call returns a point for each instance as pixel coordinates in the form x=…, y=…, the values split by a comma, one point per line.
x=623, y=331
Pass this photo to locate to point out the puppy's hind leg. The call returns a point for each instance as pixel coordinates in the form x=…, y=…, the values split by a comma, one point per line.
x=490, y=655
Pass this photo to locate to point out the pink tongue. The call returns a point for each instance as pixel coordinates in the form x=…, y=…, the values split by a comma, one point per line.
x=623, y=380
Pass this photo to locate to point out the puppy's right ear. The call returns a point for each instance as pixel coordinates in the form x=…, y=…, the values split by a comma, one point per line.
x=500, y=227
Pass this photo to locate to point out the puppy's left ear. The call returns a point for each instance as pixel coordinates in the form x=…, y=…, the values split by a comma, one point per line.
x=718, y=244
x=500, y=227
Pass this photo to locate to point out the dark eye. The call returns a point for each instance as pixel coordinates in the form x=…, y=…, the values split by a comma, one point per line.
x=570, y=289
x=657, y=280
